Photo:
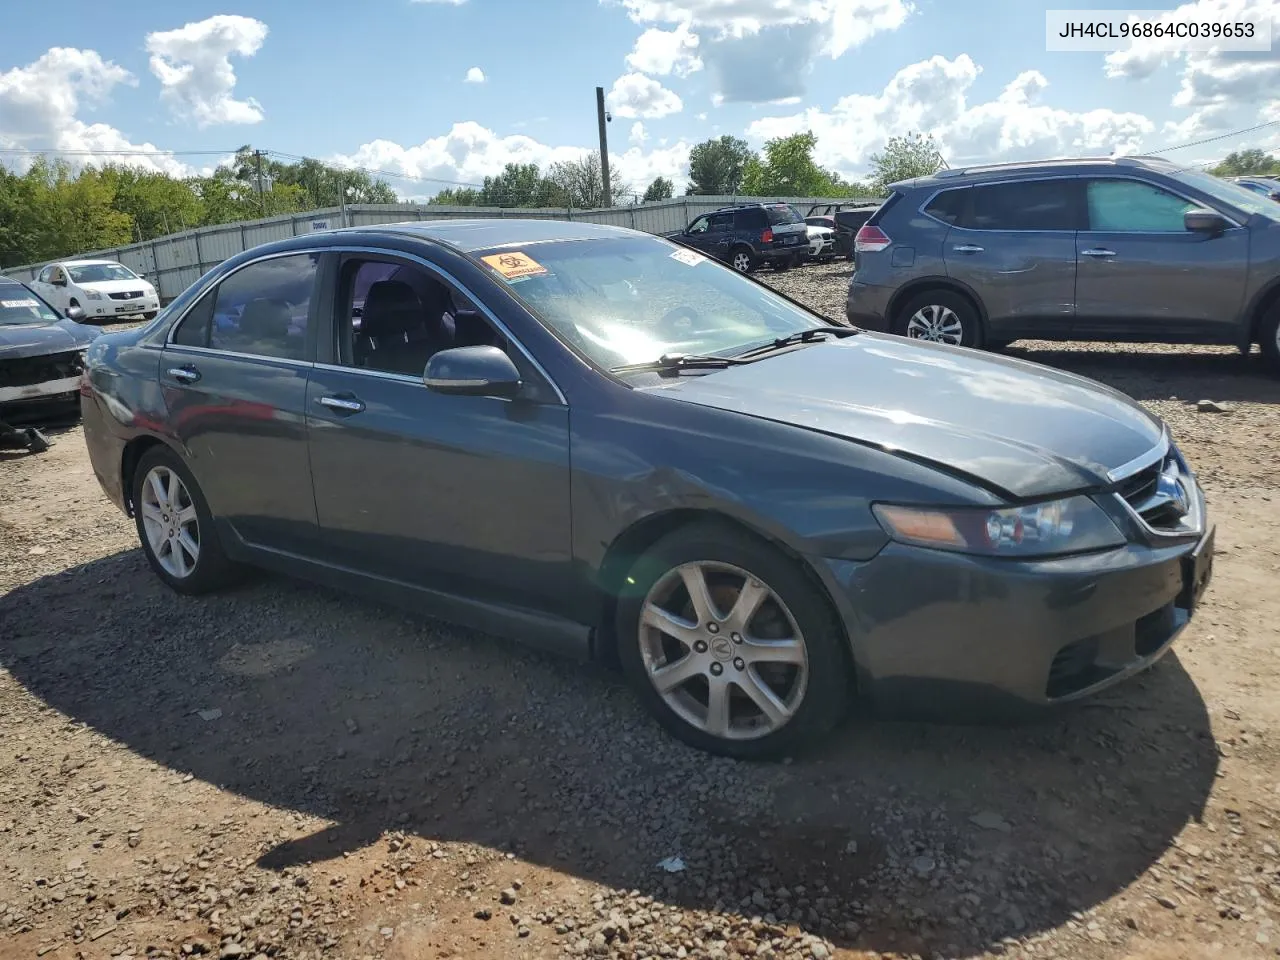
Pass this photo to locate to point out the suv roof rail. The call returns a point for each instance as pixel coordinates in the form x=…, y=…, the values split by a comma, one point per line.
x=1025, y=164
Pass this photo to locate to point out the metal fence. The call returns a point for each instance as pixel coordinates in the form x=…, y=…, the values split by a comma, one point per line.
x=175, y=262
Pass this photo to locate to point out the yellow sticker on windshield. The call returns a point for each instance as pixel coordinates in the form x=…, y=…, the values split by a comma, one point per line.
x=514, y=264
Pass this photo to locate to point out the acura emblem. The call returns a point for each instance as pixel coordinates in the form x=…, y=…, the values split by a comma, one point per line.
x=1172, y=486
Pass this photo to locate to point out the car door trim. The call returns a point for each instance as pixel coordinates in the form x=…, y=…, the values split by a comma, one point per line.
x=466, y=291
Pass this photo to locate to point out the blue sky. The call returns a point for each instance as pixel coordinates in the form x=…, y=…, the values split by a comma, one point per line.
x=383, y=84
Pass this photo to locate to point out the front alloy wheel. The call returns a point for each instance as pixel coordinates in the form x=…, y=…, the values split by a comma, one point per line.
x=937, y=324
x=723, y=651
x=170, y=522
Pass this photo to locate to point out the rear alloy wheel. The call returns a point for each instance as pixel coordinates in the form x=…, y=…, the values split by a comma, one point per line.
x=1269, y=339
x=742, y=260
x=730, y=646
x=940, y=316
x=175, y=527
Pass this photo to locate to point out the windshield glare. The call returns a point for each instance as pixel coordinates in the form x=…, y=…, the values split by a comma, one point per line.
x=19, y=305
x=97, y=272
x=634, y=299
x=1230, y=193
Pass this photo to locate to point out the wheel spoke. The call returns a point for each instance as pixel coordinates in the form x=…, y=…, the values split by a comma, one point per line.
x=667, y=678
x=695, y=582
x=150, y=512
x=773, y=651
x=668, y=623
x=175, y=488
x=752, y=594
x=157, y=489
x=186, y=515
x=179, y=558
x=718, y=708
x=189, y=545
x=774, y=710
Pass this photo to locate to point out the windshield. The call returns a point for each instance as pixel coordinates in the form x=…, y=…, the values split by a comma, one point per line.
x=97, y=272
x=1228, y=192
x=634, y=299
x=19, y=305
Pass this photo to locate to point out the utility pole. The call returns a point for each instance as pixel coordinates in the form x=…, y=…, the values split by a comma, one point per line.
x=604, y=145
x=262, y=197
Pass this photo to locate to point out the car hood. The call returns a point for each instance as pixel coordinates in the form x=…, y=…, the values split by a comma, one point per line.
x=115, y=286
x=34, y=339
x=1019, y=429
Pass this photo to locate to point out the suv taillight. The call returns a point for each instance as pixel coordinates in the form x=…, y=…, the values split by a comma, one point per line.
x=767, y=236
x=870, y=240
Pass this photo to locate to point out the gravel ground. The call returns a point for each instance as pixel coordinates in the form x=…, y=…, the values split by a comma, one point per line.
x=281, y=771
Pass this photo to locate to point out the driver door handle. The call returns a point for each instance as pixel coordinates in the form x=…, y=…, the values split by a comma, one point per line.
x=346, y=404
x=187, y=374
x=1097, y=252
x=967, y=248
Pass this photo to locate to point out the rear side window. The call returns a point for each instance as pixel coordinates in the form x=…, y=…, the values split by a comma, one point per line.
x=948, y=205
x=884, y=208
x=780, y=213
x=721, y=222
x=1131, y=206
x=749, y=220
x=1028, y=205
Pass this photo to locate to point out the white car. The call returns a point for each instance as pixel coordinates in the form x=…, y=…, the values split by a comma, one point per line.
x=103, y=289
x=822, y=242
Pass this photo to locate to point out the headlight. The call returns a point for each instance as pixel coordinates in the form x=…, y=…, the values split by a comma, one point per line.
x=1073, y=525
x=92, y=295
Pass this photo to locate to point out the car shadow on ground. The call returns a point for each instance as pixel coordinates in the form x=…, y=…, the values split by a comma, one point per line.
x=894, y=837
x=1146, y=374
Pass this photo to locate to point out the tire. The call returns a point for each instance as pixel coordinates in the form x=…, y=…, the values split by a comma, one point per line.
x=743, y=260
x=211, y=569
x=150, y=315
x=1269, y=339
x=952, y=318
x=809, y=696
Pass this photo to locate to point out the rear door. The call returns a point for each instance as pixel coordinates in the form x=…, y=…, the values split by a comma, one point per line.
x=1142, y=274
x=1013, y=244
x=234, y=375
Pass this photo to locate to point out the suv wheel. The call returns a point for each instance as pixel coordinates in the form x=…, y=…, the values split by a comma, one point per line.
x=940, y=316
x=1269, y=339
x=742, y=260
x=730, y=646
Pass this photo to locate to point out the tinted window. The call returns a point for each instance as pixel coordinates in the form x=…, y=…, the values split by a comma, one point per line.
x=721, y=221
x=782, y=213
x=1224, y=192
x=699, y=225
x=749, y=220
x=1129, y=205
x=193, y=330
x=262, y=309
x=1029, y=205
x=948, y=205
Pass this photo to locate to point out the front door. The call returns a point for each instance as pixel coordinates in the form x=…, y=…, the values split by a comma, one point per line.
x=467, y=495
x=1143, y=274
x=235, y=384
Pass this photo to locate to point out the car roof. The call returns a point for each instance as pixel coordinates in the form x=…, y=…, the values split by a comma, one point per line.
x=482, y=234
x=83, y=263
x=997, y=171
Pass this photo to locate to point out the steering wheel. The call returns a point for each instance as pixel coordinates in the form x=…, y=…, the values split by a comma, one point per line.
x=677, y=323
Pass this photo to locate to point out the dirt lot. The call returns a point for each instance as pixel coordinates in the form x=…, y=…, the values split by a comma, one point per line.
x=282, y=771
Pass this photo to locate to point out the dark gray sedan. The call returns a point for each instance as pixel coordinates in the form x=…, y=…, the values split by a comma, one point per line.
x=600, y=442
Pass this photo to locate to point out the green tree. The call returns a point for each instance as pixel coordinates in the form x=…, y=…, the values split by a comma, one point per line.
x=1243, y=163
x=457, y=197
x=156, y=203
x=518, y=185
x=660, y=189
x=579, y=183
x=717, y=166
x=915, y=155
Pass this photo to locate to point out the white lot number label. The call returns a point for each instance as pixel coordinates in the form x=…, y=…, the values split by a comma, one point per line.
x=17, y=304
x=688, y=257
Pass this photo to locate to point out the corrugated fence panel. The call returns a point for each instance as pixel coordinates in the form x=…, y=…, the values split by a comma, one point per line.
x=220, y=243
x=265, y=231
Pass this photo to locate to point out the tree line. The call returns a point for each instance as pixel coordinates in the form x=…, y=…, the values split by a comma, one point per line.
x=53, y=210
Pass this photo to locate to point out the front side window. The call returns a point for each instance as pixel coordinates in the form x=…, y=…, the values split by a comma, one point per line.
x=1025, y=205
x=1130, y=206
x=260, y=310
x=98, y=272
x=699, y=225
x=633, y=299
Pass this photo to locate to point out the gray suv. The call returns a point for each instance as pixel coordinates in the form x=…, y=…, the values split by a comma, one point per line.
x=1130, y=249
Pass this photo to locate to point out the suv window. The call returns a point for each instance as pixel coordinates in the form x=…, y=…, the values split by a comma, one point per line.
x=721, y=222
x=750, y=219
x=699, y=226
x=1136, y=207
x=783, y=213
x=948, y=205
x=1025, y=205
x=260, y=310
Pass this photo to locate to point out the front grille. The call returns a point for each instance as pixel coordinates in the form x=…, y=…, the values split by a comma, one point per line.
x=1161, y=494
x=25, y=371
x=130, y=295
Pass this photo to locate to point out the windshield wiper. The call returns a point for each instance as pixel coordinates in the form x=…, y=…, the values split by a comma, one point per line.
x=673, y=362
x=810, y=335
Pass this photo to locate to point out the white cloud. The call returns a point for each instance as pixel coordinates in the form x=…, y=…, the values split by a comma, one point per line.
x=932, y=97
x=665, y=52
x=193, y=65
x=40, y=103
x=1222, y=90
x=639, y=168
x=474, y=75
x=753, y=47
x=635, y=95
x=638, y=134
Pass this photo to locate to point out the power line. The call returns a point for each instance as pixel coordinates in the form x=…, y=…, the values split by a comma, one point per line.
x=22, y=151
x=1222, y=136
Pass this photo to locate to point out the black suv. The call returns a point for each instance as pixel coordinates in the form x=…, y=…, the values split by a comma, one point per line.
x=846, y=219
x=1129, y=249
x=750, y=234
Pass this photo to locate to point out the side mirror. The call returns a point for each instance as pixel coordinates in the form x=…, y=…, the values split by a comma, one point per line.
x=75, y=313
x=1204, y=221
x=473, y=372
